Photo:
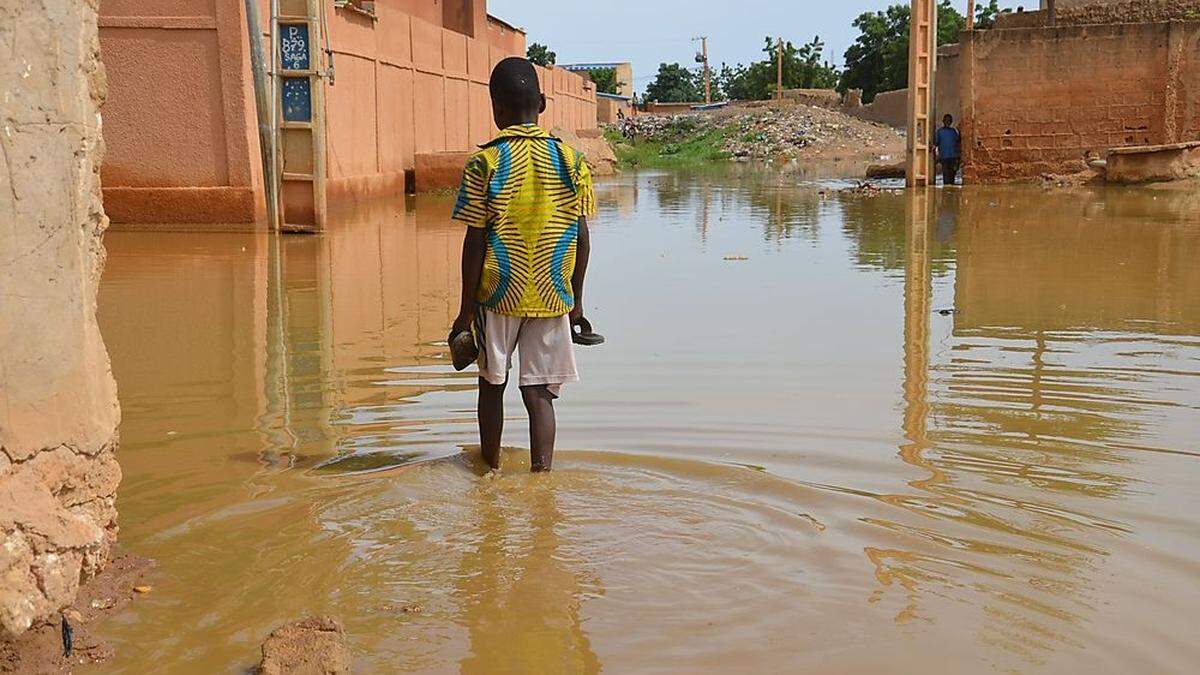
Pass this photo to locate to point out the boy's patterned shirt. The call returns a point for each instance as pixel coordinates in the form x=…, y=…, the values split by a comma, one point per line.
x=529, y=190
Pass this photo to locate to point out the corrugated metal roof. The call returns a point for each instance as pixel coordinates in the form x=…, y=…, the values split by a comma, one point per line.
x=592, y=66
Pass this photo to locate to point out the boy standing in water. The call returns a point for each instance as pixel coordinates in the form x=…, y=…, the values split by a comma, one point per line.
x=525, y=197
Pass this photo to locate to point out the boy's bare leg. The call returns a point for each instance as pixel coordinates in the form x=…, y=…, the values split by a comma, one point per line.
x=491, y=421
x=539, y=402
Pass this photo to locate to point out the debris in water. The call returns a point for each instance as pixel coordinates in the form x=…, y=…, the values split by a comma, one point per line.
x=863, y=188
x=412, y=608
x=68, y=640
x=142, y=589
x=946, y=312
x=103, y=603
x=735, y=257
x=820, y=527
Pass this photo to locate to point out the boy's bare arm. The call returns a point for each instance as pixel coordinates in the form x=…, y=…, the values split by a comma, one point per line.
x=583, y=249
x=473, y=251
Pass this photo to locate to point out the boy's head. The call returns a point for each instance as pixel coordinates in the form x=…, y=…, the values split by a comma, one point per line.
x=948, y=120
x=516, y=97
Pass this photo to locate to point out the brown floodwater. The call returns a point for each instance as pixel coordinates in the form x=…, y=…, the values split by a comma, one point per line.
x=945, y=433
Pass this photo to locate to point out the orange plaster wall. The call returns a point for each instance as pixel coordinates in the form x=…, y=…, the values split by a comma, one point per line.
x=406, y=85
x=508, y=40
x=179, y=124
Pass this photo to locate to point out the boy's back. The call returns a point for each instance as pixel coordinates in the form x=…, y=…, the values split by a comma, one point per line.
x=528, y=190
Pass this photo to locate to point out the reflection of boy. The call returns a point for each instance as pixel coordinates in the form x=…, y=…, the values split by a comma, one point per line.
x=525, y=197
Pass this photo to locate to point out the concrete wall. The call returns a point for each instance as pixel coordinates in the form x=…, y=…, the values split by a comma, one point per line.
x=179, y=122
x=58, y=418
x=948, y=84
x=1039, y=99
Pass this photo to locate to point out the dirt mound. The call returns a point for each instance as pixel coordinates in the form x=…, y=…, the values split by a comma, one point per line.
x=596, y=150
x=312, y=646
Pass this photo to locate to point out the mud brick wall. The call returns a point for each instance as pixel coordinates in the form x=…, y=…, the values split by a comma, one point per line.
x=1125, y=11
x=58, y=401
x=1038, y=100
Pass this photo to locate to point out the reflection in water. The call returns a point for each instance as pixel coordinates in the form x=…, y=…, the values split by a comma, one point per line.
x=799, y=464
x=517, y=574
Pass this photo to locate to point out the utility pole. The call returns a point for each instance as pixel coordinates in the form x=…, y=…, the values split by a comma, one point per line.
x=262, y=101
x=970, y=14
x=702, y=57
x=779, y=69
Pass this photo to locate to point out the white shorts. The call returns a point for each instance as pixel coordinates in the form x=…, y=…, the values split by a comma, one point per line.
x=547, y=354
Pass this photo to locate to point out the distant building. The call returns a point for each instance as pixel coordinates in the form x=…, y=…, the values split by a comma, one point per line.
x=624, y=73
x=611, y=107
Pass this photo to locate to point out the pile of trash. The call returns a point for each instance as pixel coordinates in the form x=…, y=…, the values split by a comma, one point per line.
x=663, y=128
x=766, y=133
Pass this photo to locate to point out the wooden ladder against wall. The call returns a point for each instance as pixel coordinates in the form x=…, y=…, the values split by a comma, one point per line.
x=922, y=57
x=298, y=73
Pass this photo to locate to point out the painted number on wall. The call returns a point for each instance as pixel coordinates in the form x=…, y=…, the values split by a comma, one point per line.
x=293, y=46
x=297, y=99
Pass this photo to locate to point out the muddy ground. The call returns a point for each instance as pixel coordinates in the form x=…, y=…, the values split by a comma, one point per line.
x=41, y=649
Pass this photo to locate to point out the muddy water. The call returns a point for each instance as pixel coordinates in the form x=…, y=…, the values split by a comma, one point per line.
x=949, y=434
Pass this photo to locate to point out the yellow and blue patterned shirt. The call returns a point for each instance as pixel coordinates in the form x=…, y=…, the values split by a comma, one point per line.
x=529, y=190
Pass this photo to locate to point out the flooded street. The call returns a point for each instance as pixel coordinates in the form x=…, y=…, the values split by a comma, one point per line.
x=949, y=434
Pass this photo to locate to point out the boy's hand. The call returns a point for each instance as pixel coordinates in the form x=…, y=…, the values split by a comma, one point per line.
x=576, y=313
x=462, y=322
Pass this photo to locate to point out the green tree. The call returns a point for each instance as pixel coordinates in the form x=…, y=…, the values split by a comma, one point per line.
x=878, y=59
x=674, y=84
x=606, y=80
x=802, y=69
x=985, y=14
x=540, y=55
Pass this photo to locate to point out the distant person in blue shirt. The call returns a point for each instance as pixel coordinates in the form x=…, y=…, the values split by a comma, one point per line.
x=948, y=141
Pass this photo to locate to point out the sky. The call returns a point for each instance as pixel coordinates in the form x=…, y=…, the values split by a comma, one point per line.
x=650, y=32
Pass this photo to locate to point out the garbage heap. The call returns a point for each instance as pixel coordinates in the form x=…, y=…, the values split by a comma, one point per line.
x=750, y=134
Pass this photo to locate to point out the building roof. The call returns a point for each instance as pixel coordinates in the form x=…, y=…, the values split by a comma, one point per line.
x=602, y=94
x=495, y=19
x=593, y=66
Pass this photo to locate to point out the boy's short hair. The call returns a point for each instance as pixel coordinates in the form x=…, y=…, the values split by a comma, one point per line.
x=514, y=85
